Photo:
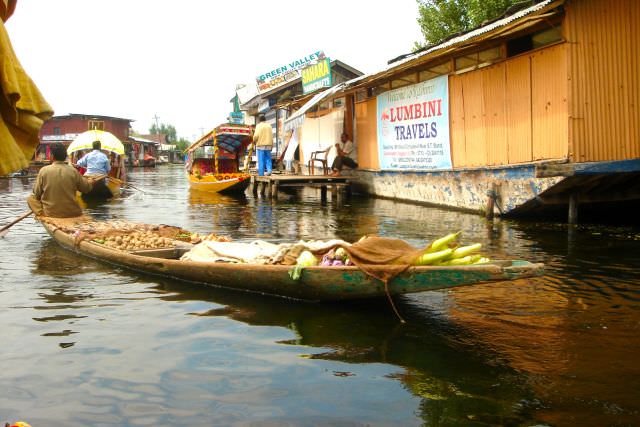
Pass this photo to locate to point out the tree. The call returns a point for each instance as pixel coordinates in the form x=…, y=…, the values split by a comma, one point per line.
x=182, y=144
x=165, y=129
x=439, y=19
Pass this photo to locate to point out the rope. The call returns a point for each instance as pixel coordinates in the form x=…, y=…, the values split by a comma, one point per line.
x=395, y=310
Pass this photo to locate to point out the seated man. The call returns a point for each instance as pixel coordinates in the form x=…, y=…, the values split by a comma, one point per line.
x=96, y=162
x=54, y=193
x=344, y=151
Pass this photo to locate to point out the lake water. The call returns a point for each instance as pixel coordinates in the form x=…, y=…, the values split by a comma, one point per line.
x=85, y=343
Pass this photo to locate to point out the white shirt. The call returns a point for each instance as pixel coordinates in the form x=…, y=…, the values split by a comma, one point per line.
x=346, y=146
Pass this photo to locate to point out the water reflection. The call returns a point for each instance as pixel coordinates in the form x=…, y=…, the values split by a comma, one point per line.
x=89, y=343
x=454, y=382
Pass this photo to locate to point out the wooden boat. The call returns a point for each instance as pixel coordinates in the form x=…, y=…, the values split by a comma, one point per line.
x=315, y=284
x=220, y=173
x=109, y=187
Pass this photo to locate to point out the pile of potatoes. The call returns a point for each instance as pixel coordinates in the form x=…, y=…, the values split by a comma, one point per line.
x=137, y=240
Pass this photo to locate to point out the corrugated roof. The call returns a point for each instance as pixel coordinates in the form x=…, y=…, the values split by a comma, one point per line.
x=458, y=40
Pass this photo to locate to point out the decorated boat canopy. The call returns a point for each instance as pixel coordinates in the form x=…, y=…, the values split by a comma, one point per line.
x=229, y=138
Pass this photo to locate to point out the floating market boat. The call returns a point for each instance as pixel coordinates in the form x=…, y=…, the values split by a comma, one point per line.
x=221, y=172
x=111, y=185
x=318, y=283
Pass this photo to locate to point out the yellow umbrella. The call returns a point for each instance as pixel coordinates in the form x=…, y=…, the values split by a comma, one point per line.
x=108, y=141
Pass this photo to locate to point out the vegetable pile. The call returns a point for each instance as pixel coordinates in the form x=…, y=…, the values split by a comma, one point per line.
x=447, y=251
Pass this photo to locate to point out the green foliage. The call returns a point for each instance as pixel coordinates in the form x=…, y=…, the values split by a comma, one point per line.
x=182, y=144
x=439, y=19
x=165, y=129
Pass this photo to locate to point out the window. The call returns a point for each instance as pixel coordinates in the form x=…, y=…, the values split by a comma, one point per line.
x=96, y=125
x=533, y=41
x=478, y=59
x=56, y=131
x=435, y=71
x=406, y=80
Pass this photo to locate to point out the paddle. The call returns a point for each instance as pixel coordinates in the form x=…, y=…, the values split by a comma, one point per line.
x=121, y=182
x=5, y=228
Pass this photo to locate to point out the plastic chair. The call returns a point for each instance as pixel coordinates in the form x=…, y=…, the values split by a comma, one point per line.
x=318, y=157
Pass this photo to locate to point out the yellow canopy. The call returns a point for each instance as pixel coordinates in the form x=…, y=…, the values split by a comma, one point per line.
x=23, y=109
x=108, y=141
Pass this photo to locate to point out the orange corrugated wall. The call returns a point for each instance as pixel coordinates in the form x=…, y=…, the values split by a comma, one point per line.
x=456, y=120
x=518, y=103
x=604, y=41
x=512, y=112
x=366, y=134
x=549, y=103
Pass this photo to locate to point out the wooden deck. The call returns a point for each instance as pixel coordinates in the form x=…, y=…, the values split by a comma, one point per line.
x=270, y=185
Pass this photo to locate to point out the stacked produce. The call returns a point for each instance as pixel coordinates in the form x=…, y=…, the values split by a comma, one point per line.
x=447, y=251
x=135, y=241
x=336, y=257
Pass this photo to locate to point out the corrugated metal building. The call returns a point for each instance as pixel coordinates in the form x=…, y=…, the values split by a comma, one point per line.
x=543, y=107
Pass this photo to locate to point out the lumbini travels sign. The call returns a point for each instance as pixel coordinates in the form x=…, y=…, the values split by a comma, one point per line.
x=413, y=126
x=316, y=76
x=286, y=72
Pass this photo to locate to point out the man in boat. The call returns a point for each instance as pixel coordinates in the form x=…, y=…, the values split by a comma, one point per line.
x=344, y=150
x=96, y=162
x=98, y=166
x=54, y=193
x=263, y=137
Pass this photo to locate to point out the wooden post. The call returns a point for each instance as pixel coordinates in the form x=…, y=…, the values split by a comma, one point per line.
x=323, y=193
x=334, y=192
x=254, y=185
x=573, y=208
x=274, y=189
x=491, y=199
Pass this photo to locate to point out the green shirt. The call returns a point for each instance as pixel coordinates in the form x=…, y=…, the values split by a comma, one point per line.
x=56, y=187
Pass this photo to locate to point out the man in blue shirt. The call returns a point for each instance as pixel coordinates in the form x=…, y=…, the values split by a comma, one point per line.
x=96, y=162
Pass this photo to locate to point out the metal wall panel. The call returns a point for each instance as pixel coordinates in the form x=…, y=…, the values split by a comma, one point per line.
x=476, y=146
x=549, y=103
x=366, y=134
x=495, y=123
x=456, y=119
x=604, y=41
x=518, y=105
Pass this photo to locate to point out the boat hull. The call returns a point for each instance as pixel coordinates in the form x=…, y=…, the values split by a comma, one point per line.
x=315, y=283
x=232, y=183
x=107, y=189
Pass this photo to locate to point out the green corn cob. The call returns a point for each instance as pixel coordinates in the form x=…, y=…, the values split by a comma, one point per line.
x=465, y=250
x=443, y=242
x=466, y=260
x=430, y=258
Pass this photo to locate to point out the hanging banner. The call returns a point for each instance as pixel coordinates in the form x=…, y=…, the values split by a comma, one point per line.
x=413, y=126
x=316, y=76
x=286, y=72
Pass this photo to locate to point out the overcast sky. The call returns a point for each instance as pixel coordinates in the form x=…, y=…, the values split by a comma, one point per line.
x=181, y=60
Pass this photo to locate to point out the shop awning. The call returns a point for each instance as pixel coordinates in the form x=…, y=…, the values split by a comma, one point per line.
x=297, y=118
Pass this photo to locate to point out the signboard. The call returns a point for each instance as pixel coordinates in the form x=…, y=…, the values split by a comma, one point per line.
x=286, y=72
x=413, y=126
x=65, y=137
x=316, y=76
x=236, y=117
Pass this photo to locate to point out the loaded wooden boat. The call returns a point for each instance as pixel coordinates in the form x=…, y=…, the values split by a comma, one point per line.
x=318, y=283
x=220, y=172
x=111, y=185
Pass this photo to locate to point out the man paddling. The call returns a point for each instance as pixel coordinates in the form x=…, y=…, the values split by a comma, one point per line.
x=54, y=193
x=98, y=166
x=96, y=162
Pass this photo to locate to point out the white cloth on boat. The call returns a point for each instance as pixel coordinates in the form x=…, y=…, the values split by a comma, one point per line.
x=255, y=252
